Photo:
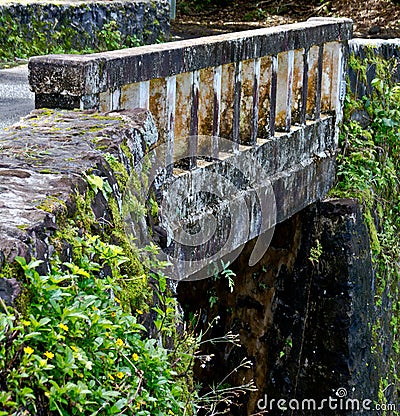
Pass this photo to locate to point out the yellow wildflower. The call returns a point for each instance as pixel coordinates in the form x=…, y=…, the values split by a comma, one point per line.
x=113, y=314
x=138, y=311
x=73, y=348
x=49, y=355
x=63, y=326
x=111, y=377
x=47, y=393
x=120, y=374
x=138, y=405
x=28, y=350
x=119, y=342
x=135, y=357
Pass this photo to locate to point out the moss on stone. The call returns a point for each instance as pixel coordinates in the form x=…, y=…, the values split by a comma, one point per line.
x=43, y=28
x=13, y=270
x=368, y=170
x=119, y=170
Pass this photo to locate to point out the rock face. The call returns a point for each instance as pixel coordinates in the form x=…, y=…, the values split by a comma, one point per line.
x=303, y=313
x=45, y=161
x=79, y=24
x=9, y=290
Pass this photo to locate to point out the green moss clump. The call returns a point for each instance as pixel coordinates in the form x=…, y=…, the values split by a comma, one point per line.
x=136, y=292
x=120, y=172
x=51, y=203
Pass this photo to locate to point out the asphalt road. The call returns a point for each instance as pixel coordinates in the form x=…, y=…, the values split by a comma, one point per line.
x=16, y=100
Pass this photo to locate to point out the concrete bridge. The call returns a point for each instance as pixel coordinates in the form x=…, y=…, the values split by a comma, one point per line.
x=201, y=146
x=247, y=129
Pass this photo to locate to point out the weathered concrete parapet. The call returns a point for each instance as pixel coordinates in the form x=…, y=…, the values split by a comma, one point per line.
x=274, y=95
x=80, y=22
x=239, y=86
x=44, y=161
x=207, y=214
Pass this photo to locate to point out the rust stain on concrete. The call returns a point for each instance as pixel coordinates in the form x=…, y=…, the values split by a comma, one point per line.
x=183, y=105
x=246, y=101
x=297, y=85
x=264, y=97
x=227, y=97
x=282, y=91
x=158, y=106
x=206, y=101
x=330, y=77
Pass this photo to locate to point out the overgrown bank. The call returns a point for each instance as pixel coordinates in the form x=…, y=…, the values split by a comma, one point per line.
x=93, y=331
x=368, y=169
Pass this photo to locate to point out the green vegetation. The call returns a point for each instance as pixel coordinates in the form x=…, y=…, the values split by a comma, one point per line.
x=368, y=170
x=95, y=332
x=315, y=253
x=75, y=343
x=24, y=41
x=76, y=351
x=224, y=274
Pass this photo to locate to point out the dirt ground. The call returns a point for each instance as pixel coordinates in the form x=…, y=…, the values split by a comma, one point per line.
x=372, y=18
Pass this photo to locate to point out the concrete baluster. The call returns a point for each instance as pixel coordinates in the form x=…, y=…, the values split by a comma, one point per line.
x=289, y=89
x=264, y=97
x=304, y=91
x=246, y=101
x=318, y=92
x=236, y=105
x=158, y=106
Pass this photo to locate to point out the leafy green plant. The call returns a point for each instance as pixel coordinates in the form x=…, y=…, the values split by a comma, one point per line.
x=109, y=37
x=225, y=273
x=98, y=184
x=315, y=253
x=257, y=14
x=76, y=351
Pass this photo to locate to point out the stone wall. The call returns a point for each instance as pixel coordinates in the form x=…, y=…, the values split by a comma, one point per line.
x=45, y=161
x=78, y=25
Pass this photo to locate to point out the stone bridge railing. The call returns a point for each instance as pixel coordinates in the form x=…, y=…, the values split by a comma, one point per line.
x=242, y=86
x=263, y=103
